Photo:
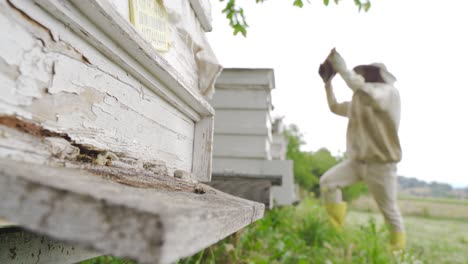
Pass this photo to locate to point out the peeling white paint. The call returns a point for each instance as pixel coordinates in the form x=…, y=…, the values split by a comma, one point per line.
x=61, y=148
x=97, y=105
x=189, y=53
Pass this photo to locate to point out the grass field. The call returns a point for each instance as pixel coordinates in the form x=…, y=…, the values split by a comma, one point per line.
x=425, y=207
x=437, y=228
x=430, y=240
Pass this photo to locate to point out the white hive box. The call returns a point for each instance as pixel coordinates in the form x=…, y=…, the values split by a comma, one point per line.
x=97, y=115
x=242, y=136
x=243, y=121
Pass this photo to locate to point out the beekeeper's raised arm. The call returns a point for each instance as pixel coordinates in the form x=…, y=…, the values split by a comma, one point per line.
x=335, y=107
x=352, y=79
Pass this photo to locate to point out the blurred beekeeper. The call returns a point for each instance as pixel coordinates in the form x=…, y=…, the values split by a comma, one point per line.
x=373, y=147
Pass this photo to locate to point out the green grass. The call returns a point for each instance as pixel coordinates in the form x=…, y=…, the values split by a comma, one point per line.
x=107, y=260
x=442, y=209
x=434, y=200
x=302, y=235
x=432, y=240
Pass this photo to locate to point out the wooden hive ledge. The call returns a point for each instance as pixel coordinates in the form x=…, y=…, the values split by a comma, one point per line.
x=158, y=221
x=19, y=246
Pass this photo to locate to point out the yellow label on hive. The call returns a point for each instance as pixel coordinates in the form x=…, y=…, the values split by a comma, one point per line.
x=150, y=19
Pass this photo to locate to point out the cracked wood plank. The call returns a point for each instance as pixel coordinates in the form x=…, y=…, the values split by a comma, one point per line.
x=150, y=225
x=21, y=246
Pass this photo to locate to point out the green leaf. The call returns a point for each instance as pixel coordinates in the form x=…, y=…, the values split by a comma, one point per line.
x=298, y=3
x=244, y=31
x=237, y=20
x=367, y=6
x=240, y=28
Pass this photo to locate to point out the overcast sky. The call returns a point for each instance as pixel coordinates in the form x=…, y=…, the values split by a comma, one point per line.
x=423, y=43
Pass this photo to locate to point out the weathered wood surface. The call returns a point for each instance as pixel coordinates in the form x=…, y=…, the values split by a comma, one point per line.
x=30, y=143
x=150, y=219
x=203, y=150
x=243, y=122
x=103, y=86
x=258, y=190
x=187, y=23
x=202, y=9
x=241, y=146
x=18, y=246
x=117, y=39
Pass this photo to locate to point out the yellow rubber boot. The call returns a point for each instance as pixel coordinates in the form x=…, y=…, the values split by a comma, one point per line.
x=336, y=213
x=398, y=241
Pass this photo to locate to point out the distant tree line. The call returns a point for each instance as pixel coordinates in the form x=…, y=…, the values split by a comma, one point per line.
x=416, y=187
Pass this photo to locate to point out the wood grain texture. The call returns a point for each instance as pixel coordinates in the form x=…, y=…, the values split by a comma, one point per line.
x=150, y=225
x=203, y=149
x=21, y=246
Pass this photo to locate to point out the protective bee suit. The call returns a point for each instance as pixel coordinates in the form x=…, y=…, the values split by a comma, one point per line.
x=373, y=146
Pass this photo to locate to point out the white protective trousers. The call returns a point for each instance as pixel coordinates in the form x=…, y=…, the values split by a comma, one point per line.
x=381, y=179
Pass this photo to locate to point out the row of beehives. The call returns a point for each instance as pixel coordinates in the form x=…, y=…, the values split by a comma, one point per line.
x=249, y=157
